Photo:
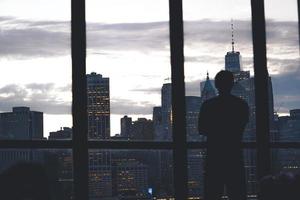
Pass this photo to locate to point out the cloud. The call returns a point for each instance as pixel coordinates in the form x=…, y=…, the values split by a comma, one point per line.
x=25, y=38
x=286, y=90
x=153, y=90
x=142, y=37
x=192, y=88
x=39, y=97
x=38, y=87
x=205, y=59
x=129, y=107
x=283, y=66
x=46, y=98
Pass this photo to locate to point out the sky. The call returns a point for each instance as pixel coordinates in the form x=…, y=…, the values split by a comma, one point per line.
x=128, y=41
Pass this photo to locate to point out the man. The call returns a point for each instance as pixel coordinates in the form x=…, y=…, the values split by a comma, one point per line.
x=223, y=119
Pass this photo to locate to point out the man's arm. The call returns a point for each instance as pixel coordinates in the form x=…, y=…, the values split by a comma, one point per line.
x=202, y=120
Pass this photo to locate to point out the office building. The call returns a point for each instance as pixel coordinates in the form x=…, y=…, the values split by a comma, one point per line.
x=130, y=178
x=193, y=104
x=142, y=129
x=98, y=106
x=100, y=174
x=21, y=124
x=126, y=127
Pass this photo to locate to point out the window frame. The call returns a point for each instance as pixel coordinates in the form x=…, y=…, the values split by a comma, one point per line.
x=80, y=144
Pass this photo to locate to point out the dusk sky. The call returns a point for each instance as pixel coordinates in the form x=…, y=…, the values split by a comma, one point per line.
x=128, y=41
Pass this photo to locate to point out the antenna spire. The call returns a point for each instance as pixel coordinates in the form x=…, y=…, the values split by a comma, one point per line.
x=232, y=36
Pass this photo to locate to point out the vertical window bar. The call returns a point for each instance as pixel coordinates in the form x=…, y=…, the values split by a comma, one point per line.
x=261, y=87
x=298, y=2
x=79, y=111
x=178, y=100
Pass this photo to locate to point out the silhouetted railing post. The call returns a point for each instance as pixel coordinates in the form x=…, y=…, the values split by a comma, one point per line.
x=178, y=100
x=261, y=88
x=79, y=106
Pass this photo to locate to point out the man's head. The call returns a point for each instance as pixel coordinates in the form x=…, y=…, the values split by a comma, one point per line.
x=224, y=82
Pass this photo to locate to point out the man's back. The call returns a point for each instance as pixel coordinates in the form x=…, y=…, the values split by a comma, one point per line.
x=223, y=120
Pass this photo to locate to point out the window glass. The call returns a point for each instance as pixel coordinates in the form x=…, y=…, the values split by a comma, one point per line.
x=128, y=66
x=218, y=36
x=284, y=69
x=35, y=79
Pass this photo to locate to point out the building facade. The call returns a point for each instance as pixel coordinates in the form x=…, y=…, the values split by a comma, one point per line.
x=21, y=124
x=126, y=127
x=98, y=106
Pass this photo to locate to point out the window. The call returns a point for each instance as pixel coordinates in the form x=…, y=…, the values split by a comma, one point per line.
x=98, y=160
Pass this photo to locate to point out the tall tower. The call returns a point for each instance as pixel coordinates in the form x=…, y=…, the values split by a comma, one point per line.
x=233, y=58
x=98, y=107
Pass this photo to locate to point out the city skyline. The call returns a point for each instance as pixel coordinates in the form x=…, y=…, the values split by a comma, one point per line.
x=119, y=43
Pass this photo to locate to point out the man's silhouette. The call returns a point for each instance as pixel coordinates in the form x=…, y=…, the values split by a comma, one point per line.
x=223, y=119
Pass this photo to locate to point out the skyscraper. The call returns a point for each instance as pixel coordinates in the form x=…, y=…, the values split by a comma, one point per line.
x=233, y=61
x=193, y=104
x=98, y=106
x=98, y=110
x=162, y=123
x=233, y=58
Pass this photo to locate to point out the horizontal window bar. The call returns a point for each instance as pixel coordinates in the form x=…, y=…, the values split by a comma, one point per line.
x=129, y=145
x=111, y=144
x=37, y=144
